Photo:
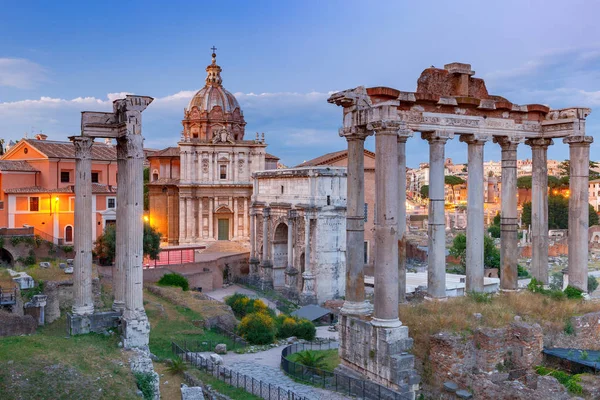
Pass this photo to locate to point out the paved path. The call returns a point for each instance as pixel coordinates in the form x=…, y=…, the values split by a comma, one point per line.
x=220, y=294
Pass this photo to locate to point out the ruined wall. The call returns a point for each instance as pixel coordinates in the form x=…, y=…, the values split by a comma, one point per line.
x=60, y=298
x=586, y=334
x=15, y=325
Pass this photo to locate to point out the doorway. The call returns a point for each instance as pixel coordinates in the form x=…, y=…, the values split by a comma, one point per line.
x=223, y=226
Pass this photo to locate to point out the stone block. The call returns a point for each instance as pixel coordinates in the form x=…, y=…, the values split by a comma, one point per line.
x=62, y=265
x=191, y=392
x=216, y=359
x=450, y=387
x=44, y=264
x=69, y=270
x=463, y=394
x=70, y=261
x=221, y=348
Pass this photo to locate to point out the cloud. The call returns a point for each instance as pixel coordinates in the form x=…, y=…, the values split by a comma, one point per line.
x=21, y=73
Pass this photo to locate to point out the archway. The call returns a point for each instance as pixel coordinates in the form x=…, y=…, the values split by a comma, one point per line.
x=6, y=259
x=223, y=217
x=280, y=246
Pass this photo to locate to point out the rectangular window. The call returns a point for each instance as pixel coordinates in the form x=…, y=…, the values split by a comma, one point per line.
x=223, y=171
x=65, y=176
x=366, y=210
x=111, y=202
x=34, y=204
x=366, y=245
x=95, y=176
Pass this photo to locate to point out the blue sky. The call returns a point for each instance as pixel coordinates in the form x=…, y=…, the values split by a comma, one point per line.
x=281, y=59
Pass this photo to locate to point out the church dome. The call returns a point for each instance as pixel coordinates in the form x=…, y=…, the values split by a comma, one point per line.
x=213, y=93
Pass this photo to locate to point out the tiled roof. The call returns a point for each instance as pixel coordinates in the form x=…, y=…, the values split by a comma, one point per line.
x=327, y=158
x=271, y=157
x=164, y=181
x=56, y=149
x=96, y=189
x=168, y=152
x=9, y=165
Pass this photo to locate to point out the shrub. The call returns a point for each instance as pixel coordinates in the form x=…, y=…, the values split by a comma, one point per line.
x=177, y=366
x=569, y=330
x=480, y=297
x=311, y=359
x=522, y=272
x=536, y=286
x=145, y=382
x=592, y=284
x=257, y=328
x=287, y=326
x=305, y=330
x=571, y=382
x=494, y=231
x=573, y=292
x=174, y=280
x=238, y=303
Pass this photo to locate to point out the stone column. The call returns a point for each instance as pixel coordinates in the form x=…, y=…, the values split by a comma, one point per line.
x=266, y=279
x=83, y=302
x=211, y=209
x=386, y=223
x=579, y=156
x=135, y=322
x=190, y=219
x=121, y=233
x=308, y=295
x=436, y=258
x=291, y=272
x=200, y=219
x=402, y=138
x=236, y=217
x=254, y=261
x=539, y=208
x=509, y=249
x=182, y=220
x=355, y=303
x=475, y=224
x=245, y=220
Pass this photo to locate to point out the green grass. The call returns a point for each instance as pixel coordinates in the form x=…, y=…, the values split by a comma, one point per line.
x=48, y=365
x=331, y=360
x=222, y=387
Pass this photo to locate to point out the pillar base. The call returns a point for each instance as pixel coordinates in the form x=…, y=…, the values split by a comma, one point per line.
x=82, y=310
x=356, y=308
x=429, y=298
x=386, y=323
x=307, y=298
x=118, y=306
x=135, y=330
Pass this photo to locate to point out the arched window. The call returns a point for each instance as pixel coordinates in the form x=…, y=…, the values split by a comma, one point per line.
x=68, y=234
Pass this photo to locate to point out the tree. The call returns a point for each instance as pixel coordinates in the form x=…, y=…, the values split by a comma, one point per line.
x=524, y=182
x=491, y=255
x=558, y=213
x=146, y=189
x=453, y=180
x=565, y=169
x=494, y=229
x=105, y=248
x=425, y=191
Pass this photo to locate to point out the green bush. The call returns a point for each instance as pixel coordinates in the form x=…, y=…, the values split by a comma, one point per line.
x=536, y=286
x=174, y=280
x=494, y=231
x=571, y=382
x=573, y=293
x=145, y=382
x=480, y=297
x=569, y=329
x=306, y=330
x=293, y=326
x=592, y=284
x=257, y=328
x=522, y=272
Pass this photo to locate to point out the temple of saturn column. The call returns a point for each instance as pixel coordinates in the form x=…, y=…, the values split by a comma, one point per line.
x=448, y=102
x=125, y=125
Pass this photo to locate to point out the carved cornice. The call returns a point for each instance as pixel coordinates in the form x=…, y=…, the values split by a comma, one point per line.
x=578, y=140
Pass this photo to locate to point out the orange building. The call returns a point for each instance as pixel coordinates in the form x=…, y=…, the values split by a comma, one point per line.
x=37, y=179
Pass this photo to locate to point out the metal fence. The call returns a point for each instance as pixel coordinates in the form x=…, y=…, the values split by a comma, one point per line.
x=257, y=387
x=358, y=388
x=237, y=340
x=200, y=346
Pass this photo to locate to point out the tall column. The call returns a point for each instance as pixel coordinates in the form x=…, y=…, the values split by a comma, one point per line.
x=509, y=249
x=266, y=279
x=436, y=257
x=83, y=302
x=539, y=208
x=245, y=220
x=290, y=242
x=308, y=295
x=386, y=223
x=402, y=138
x=200, y=219
x=182, y=220
x=136, y=326
x=190, y=219
x=579, y=156
x=355, y=303
x=475, y=224
x=236, y=217
x=121, y=234
x=211, y=209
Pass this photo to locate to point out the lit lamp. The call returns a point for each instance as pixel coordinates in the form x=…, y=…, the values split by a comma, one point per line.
x=146, y=218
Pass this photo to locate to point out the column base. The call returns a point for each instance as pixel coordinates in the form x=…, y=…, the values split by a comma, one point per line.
x=135, y=329
x=386, y=323
x=82, y=310
x=430, y=298
x=356, y=308
x=118, y=306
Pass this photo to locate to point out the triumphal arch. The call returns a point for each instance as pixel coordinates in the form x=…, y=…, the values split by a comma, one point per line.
x=448, y=103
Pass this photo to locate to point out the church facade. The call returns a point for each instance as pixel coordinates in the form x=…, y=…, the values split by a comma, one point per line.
x=200, y=191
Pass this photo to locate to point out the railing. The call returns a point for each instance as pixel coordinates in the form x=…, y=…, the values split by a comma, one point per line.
x=267, y=391
x=358, y=388
x=236, y=339
x=8, y=296
x=47, y=237
x=200, y=346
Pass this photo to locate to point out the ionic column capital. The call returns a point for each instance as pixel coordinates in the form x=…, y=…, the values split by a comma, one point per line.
x=83, y=147
x=474, y=139
x=508, y=143
x=355, y=133
x=539, y=142
x=440, y=136
x=583, y=141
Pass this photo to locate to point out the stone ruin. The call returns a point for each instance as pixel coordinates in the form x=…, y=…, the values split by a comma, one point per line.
x=447, y=102
x=125, y=125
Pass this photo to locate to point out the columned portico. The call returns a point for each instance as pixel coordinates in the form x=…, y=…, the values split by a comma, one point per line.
x=509, y=250
x=539, y=208
x=308, y=295
x=266, y=276
x=475, y=225
x=83, y=303
x=436, y=256
x=355, y=303
x=579, y=156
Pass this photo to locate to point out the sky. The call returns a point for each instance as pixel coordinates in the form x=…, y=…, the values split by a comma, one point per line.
x=282, y=59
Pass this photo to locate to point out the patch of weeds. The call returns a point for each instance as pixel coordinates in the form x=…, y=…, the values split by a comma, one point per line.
x=573, y=293
x=145, y=382
x=571, y=382
x=480, y=297
x=569, y=329
x=584, y=355
x=177, y=366
x=37, y=289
